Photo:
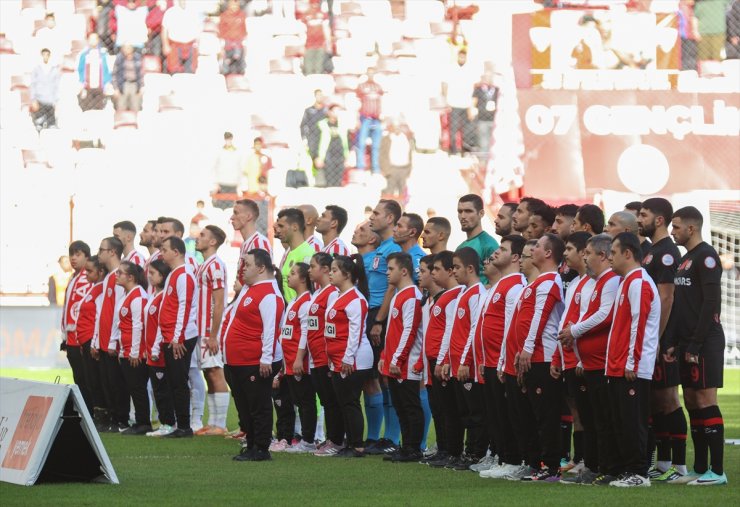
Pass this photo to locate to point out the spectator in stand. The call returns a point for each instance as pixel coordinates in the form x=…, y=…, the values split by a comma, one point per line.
x=45, y=92
x=688, y=28
x=257, y=165
x=712, y=28
x=154, y=26
x=127, y=79
x=333, y=150
x=310, y=123
x=131, y=24
x=180, y=31
x=105, y=23
x=395, y=159
x=732, y=44
x=232, y=30
x=318, y=40
x=94, y=75
x=53, y=38
x=227, y=172
x=485, y=97
x=370, y=94
x=456, y=89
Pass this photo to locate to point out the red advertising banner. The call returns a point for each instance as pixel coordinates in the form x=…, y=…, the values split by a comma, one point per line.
x=27, y=432
x=580, y=142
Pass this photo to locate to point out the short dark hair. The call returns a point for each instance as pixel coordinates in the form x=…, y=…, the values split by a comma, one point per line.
x=592, y=215
x=393, y=208
x=578, y=239
x=177, y=226
x=689, y=213
x=511, y=205
x=530, y=242
x=441, y=223
x=635, y=206
x=115, y=244
x=217, y=233
x=151, y=222
x=45, y=50
x=659, y=207
x=556, y=246
x=403, y=260
x=629, y=241
x=428, y=261
x=415, y=222
x=468, y=257
x=79, y=246
x=533, y=203
x=600, y=243
x=252, y=205
x=339, y=214
x=176, y=244
x=228, y=135
x=136, y=271
x=546, y=213
x=517, y=243
x=126, y=225
x=97, y=264
x=474, y=199
x=445, y=258
x=161, y=267
x=567, y=210
x=293, y=216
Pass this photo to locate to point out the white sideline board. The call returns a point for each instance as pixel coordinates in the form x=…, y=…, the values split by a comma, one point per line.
x=47, y=435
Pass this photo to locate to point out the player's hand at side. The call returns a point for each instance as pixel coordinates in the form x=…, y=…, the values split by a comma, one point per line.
x=555, y=371
x=95, y=354
x=375, y=334
x=630, y=375
x=265, y=370
x=525, y=361
x=178, y=350
x=381, y=364
x=481, y=370
x=463, y=373
x=212, y=346
x=395, y=370
x=347, y=369
x=298, y=368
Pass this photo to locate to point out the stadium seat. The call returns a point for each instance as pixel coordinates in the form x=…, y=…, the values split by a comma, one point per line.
x=710, y=68
x=22, y=82
x=282, y=66
x=169, y=102
x=69, y=63
x=441, y=27
x=85, y=5
x=259, y=122
x=350, y=9
x=6, y=45
x=34, y=157
x=76, y=46
x=123, y=119
x=151, y=64
x=237, y=83
x=346, y=83
x=275, y=138
x=294, y=51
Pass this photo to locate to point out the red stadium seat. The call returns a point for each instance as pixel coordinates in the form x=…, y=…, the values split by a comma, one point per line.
x=22, y=82
x=85, y=5
x=33, y=4
x=282, y=66
x=294, y=51
x=69, y=63
x=151, y=63
x=6, y=46
x=169, y=103
x=404, y=48
x=260, y=123
x=37, y=25
x=387, y=66
x=351, y=9
x=274, y=139
x=77, y=46
x=237, y=83
x=441, y=28
x=346, y=83
x=438, y=104
x=126, y=119
x=34, y=157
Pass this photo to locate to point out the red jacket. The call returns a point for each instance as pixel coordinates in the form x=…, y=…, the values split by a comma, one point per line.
x=131, y=324
x=591, y=333
x=403, y=336
x=316, y=341
x=346, y=339
x=294, y=331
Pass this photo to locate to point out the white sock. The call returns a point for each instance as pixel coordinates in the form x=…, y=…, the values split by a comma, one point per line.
x=197, y=397
x=320, y=426
x=221, y=404
x=212, y=411
x=153, y=414
x=681, y=469
x=297, y=425
x=663, y=465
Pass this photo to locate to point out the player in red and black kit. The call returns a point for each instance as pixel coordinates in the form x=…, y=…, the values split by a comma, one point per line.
x=698, y=341
x=401, y=352
x=668, y=420
x=496, y=320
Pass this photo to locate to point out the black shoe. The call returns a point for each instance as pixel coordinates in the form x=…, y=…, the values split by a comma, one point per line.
x=410, y=456
x=245, y=454
x=464, y=463
x=454, y=462
x=392, y=456
x=442, y=462
x=604, y=480
x=261, y=455
x=180, y=433
x=434, y=457
x=110, y=428
x=138, y=429
x=349, y=452
x=382, y=446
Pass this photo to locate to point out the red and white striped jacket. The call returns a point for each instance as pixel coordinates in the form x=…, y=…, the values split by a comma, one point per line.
x=106, y=322
x=251, y=337
x=537, y=330
x=131, y=323
x=211, y=275
x=136, y=258
x=441, y=318
x=151, y=324
x=77, y=289
x=633, y=339
x=510, y=346
x=88, y=311
x=336, y=247
x=591, y=333
x=254, y=241
x=155, y=255
x=576, y=301
x=315, y=242
x=495, y=317
x=346, y=339
x=457, y=351
x=178, y=310
x=404, y=334
x=316, y=322
x=294, y=331
x=192, y=263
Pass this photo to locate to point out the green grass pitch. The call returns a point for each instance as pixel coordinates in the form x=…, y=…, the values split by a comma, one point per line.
x=200, y=471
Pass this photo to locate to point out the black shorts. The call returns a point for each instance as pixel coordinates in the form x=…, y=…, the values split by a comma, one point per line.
x=665, y=374
x=377, y=349
x=709, y=371
x=573, y=383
